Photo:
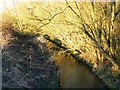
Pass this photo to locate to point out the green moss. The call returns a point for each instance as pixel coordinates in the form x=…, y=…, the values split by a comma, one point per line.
x=75, y=52
x=51, y=38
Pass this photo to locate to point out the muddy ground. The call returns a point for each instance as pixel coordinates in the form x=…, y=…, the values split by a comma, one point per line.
x=26, y=64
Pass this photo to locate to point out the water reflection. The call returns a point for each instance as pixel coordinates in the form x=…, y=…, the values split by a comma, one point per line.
x=74, y=75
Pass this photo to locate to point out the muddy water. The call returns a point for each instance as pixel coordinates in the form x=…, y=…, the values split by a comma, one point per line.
x=74, y=75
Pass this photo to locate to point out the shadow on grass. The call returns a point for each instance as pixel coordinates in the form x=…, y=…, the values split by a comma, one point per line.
x=26, y=65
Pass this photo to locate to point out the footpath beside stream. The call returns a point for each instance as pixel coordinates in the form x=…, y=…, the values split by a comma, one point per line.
x=25, y=65
x=1, y=46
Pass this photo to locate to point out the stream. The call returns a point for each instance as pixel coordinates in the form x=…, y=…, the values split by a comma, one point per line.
x=74, y=75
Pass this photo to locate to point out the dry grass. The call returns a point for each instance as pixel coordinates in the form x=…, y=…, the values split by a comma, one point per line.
x=59, y=21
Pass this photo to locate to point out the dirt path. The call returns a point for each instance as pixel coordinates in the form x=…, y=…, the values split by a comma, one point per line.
x=1, y=46
x=24, y=65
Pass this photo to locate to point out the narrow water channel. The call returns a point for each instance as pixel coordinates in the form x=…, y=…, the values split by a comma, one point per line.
x=74, y=75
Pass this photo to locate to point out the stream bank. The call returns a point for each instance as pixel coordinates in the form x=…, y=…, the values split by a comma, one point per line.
x=1, y=46
x=28, y=64
x=25, y=65
x=103, y=71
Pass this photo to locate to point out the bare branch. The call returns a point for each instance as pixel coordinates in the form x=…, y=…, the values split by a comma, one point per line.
x=38, y=19
x=88, y=34
x=117, y=13
x=53, y=17
x=57, y=14
x=72, y=9
x=44, y=24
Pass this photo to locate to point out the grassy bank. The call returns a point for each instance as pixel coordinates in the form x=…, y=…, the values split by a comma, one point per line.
x=25, y=64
